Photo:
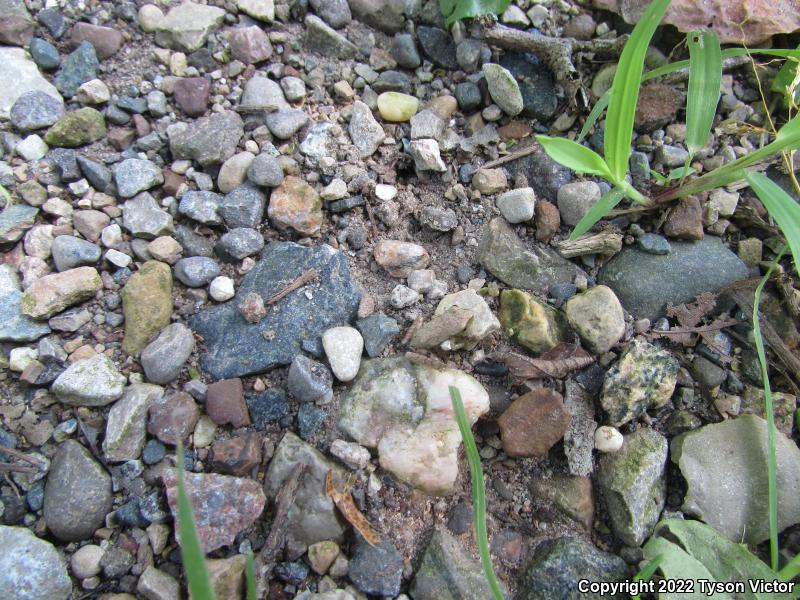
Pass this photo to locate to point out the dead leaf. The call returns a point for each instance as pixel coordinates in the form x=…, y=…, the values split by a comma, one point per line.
x=344, y=502
x=556, y=363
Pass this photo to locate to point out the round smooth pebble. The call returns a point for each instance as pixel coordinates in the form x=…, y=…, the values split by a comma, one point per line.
x=221, y=288
x=343, y=347
x=86, y=561
x=517, y=206
x=397, y=107
x=385, y=192
x=607, y=439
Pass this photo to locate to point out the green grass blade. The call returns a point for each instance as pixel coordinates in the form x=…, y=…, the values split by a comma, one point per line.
x=772, y=460
x=647, y=571
x=250, y=576
x=597, y=110
x=603, y=206
x=782, y=207
x=465, y=9
x=478, y=492
x=194, y=561
x=575, y=156
x=625, y=90
x=791, y=570
x=705, y=79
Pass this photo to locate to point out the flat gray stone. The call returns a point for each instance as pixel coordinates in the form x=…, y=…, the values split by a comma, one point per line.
x=93, y=381
x=144, y=218
x=15, y=326
x=164, y=357
x=18, y=76
x=126, y=425
x=134, y=175
x=31, y=568
x=210, y=140
x=70, y=252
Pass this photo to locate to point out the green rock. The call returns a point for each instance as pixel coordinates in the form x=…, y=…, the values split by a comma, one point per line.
x=725, y=468
x=77, y=128
x=531, y=322
x=643, y=378
x=227, y=576
x=397, y=107
x=447, y=572
x=147, y=304
x=503, y=89
x=558, y=565
x=632, y=484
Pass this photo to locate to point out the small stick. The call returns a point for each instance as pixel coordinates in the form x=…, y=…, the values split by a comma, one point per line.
x=17, y=454
x=299, y=282
x=701, y=329
x=411, y=330
x=509, y=157
x=9, y=468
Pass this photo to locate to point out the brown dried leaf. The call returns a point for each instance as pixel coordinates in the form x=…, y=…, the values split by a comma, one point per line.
x=691, y=313
x=556, y=363
x=344, y=502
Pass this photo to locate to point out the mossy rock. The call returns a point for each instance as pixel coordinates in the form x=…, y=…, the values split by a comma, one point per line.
x=531, y=322
x=147, y=304
x=77, y=128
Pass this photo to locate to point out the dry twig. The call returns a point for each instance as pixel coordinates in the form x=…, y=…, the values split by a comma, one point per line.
x=297, y=283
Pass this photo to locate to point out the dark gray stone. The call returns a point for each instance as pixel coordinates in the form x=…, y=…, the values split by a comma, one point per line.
x=243, y=207
x=164, y=357
x=153, y=452
x=265, y=170
x=16, y=326
x=70, y=252
x=44, y=54
x=377, y=569
x=132, y=105
x=35, y=110
x=309, y=380
x=286, y=122
x=15, y=220
x=544, y=174
x=558, y=565
x=97, y=174
x=378, y=330
x=239, y=243
x=235, y=347
x=79, y=67
x=201, y=206
x=346, y=204
x=404, y=51
x=645, y=283
x=196, y=271
x=392, y=81
x=78, y=495
x=468, y=96
x=438, y=45
x=309, y=420
x=66, y=163
x=335, y=13
x=53, y=21
x=267, y=407
x=193, y=244
x=209, y=140
x=707, y=374
x=535, y=83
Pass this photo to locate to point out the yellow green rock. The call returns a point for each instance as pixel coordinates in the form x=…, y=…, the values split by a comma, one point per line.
x=227, y=577
x=77, y=128
x=146, y=304
x=397, y=107
x=530, y=322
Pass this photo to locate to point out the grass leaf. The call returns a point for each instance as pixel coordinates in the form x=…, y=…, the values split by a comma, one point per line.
x=603, y=206
x=575, y=156
x=194, y=561
x=455, y=10
x=478, y=492
x=705, y=78
x=250, y=576
x=625, y=90
x=782, y=207
x=783, y=80
x=772, y=459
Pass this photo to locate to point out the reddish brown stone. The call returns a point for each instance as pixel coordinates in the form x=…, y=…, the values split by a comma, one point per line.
x=685, y=220
x=191, y=95
x=141, y=125
x=546, y=220
x=249, y=44
x=173, y=417
x=106, y=41
x=172, y=182
x=658, y=104
x=121, y=138
x=16, y=30
x=238, y=455
x=252, y=307
x=223, y=506
x=533, y=423
x=515, y=130
x=225, y=403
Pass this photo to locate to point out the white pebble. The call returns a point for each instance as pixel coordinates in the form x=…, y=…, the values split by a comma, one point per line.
x=403, y=296
x=117, y=258
x=86, y=561
x=32, y=148
x=221, y=288
x=343, y=347
x=608, y=439
x=353, y=455
x=20, y=358
x=385, y=192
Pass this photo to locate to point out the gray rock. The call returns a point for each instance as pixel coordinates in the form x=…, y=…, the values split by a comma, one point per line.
x=319, y=141
x=376, y=569
x=652, y=243
x=426, y=156
x=426, y=124
x=404, y=51
x=309, y=419
x=576, y=199
x=70, y=320
x=66, y=164
x=378, y=330
x=286, y=122
x=77, y=496
x=70, y=252
x=544, y=175
x=706, y=373
x=31, y=568
x=19, y=75
x=645, y=283
x=18, y=26
x=34, y=110
x=503, y=254
x=79, y=67
x=559, y=564
x=447, y=572
x=535, y=84
x=309, y=380
x=236, y=348
x=262, y=93
x=145, y=219
x=53, y=21
x=209, y=140
x=127, y=422
x=312, y=517
x=15, y=220
x=135, y=175
x=503, y=89
x=725, y=467
x=671, y=156
x=196, y=271
x=188, y=25
x=265, y=170
x=239, y=243
x=517, y=206
x=93, y=381
x=335, y=13
x=325, y=40
x=243, y=207
x=15, y=326
x=438, y=218
x=468, y=96
x=632, y=483
x=193, y=244
x=438, y=45
x=579, y=437
x=365, y=131
x=202, y=207
x=96, y=173
x=44, y=54
x=164, y=357
x=468, y=54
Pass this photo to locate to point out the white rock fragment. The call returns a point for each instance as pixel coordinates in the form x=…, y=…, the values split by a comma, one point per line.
x=607, y=439
x=353, y=455
x=221, y=288
x=343, y=347
x=403, y=296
